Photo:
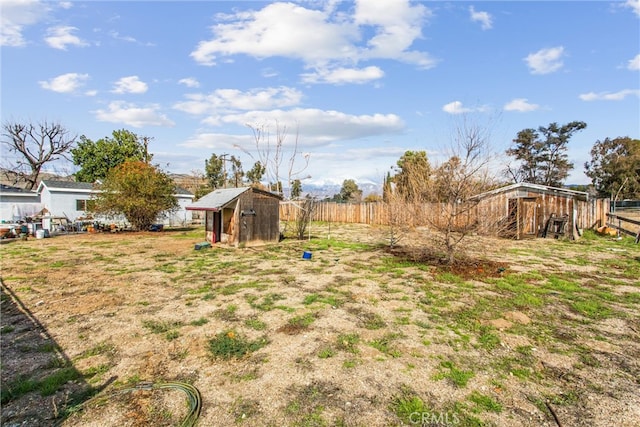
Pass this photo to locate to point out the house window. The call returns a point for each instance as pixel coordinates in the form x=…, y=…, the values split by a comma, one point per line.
x=84, y=205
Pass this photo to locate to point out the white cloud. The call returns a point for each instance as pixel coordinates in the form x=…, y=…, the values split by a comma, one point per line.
x=189, y=82
x=344, y=75
x=65, y=4
x=634, y=64
x=124, y=113
x=455, y=107
x=322, y=39
x=397, y=25
x=484, y=18
x=65, y=83
x=545, y=61
x=520, y=104
x=15, y=15
x=60, y=37
x=215, y=141
x=222, y=100
x=320, y=126
x=609, y=96
x=633, y=4
x=130, y=84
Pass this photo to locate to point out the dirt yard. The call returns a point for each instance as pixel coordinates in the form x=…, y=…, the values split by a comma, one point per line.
x=109, y=329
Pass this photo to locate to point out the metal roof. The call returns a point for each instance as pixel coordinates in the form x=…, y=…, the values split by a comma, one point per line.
x=221, y=197
x=535, y=187
x=217, y=199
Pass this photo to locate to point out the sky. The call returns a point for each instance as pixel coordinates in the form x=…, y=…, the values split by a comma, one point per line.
x=349, y=85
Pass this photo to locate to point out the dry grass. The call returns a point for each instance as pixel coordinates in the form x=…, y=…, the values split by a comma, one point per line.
x=355, y=336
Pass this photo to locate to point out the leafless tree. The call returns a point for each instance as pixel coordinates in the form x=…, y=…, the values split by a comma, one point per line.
x=304, y=216
x=33, y=146
x=273, y=154
x=456, y=181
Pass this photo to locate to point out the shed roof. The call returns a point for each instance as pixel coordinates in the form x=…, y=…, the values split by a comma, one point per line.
x=534, y=187
x=219, y=198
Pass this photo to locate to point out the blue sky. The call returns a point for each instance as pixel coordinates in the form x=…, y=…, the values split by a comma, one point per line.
x=359, y=83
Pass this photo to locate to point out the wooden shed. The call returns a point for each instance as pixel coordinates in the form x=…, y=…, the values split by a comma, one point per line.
x=525, y=210
x=240, y=215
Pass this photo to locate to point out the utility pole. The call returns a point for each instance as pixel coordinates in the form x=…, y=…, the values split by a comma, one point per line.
x=224, y=169
x=145, y=141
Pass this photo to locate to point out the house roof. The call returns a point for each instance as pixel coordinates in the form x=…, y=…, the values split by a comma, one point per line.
x=66, y=185
x=73, y=186
x=16, y=191
x=534, y=187
x=219, y=198
x=183, y=192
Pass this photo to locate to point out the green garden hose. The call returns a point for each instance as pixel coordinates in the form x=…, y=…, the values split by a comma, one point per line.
x=194, y=398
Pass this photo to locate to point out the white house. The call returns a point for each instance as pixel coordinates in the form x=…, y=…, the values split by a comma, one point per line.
x=65, y=198
x=72, y=200
x=17, y=203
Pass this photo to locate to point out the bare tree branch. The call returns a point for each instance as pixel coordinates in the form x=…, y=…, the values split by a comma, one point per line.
x=34, y=146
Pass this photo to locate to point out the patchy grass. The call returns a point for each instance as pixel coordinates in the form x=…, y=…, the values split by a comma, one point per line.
x=330, y=341
x=229, y=344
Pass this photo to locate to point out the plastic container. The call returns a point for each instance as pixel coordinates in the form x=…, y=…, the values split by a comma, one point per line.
x=40, y=234
x=306, y=255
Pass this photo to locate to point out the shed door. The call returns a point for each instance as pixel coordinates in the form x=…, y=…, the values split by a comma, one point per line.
x=528, y=217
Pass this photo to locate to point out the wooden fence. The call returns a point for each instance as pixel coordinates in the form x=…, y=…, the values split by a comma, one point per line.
x=588, y=214
x=624, y=225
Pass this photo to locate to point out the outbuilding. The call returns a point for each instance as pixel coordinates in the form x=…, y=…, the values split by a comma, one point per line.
x=525, y=210
x=240, y=215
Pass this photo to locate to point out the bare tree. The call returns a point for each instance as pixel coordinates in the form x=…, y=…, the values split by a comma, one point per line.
x=457, y=180
x=272, y=155
x=304, y=216
x=33, y=147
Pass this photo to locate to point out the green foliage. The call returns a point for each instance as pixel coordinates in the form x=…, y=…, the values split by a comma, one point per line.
x=350, y=191
x=413, y=175
x=542, y=154
x=296, y=189
x=214, y=171
x=137, y=190
x=97, y=158
x=256, y=173
x=406, y=408
x=615, y=166
x=229, y=345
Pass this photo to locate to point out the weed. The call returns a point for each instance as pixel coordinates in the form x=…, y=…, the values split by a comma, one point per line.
x=407, y=406
x=6, y=329
x=159, y=327
x=100, y=348
x=488, y=339
x=255, y=323
x=229, y=345
x=298, y=323
x=384, y=344
x=458, y=377
x=348, y=342
x=326, y=353
x=485, y=403
x=199, y=322
x=172, y=335
x=228, y=313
